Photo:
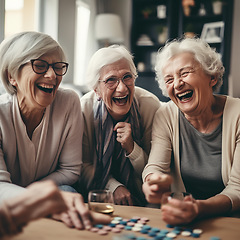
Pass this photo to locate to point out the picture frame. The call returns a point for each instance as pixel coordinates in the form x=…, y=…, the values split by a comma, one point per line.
x=213, y=32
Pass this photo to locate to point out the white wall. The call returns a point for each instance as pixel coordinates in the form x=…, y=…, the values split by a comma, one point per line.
x=234, y=79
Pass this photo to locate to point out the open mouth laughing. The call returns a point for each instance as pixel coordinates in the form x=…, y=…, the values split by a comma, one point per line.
x=120, y=100
x=46, y=88
x=185, y=96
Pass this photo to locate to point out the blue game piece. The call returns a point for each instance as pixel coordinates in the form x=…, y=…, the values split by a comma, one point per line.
x=155, y=230
x=100, y=226
x=129, y=228
x=215, y=238
x=152, y=234
x=146, y=227
x=144, y=231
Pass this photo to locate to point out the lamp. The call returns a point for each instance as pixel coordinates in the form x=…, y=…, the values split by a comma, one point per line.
x=108, y=28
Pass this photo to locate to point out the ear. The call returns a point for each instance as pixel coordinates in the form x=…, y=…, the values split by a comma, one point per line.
x=213, y=81
x=12, y=80
x=96, y=90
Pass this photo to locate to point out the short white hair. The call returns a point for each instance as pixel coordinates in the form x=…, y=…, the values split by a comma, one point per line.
x=20, y=48
x=208, y=58
x=103, y=57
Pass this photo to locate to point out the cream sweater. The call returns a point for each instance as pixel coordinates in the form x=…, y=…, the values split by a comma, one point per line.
x=165, y=142
x=54, y=152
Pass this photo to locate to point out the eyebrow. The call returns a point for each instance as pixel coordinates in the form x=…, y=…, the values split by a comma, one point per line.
x=110, y=76
x=180, y=70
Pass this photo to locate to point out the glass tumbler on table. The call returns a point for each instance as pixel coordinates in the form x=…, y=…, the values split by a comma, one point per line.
x=101, y=201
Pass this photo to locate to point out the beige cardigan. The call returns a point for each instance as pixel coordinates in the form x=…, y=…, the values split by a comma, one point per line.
x=148, y=105
x=165, y=140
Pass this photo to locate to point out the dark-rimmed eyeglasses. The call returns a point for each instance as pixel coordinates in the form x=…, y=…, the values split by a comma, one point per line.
x=40, y=66
x=112, y=82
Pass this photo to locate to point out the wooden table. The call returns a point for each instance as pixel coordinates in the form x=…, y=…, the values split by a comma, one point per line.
x=47, y=229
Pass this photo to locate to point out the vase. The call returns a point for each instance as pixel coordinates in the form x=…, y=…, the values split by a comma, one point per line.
x=217, y=7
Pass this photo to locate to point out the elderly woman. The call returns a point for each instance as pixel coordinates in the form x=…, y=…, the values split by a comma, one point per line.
x=41, y=126
x=118, y=124
x=196, y=136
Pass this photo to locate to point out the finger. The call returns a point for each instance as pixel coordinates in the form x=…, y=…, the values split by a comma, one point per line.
x=130, y=202
x=64, y=217
x=76, y=219
x=83, y=212
x=161, y=180
x=119, y=125
x=100, y=218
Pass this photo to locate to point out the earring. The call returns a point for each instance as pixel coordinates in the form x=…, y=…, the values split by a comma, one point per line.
x=99, y=98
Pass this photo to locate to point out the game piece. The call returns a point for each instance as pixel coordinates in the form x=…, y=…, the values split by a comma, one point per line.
x=94, y=229
x=186, y=233
x=102, y=232
x=136, y=229
x=215, y=238
x=116, y=230
x=199, y=231
x=171, y=235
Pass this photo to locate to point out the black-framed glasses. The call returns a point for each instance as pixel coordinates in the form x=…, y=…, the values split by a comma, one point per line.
x=40, y=66
x=112, y=82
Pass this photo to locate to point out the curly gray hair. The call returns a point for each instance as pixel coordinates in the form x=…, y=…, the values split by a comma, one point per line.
x=208, y=58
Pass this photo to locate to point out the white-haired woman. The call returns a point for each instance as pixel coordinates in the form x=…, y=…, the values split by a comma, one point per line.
x=196, y=136
x=41, y=125
x=118, y=124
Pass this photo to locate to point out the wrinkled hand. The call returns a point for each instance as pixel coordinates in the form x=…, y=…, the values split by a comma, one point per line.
x=180, y=212
x=41, y=199
x=122, y=196
x=124, y=136
x=77, y=215
x=155, y=185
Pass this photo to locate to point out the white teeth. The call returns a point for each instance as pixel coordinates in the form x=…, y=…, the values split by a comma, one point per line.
x=120, y=97
x=46, y=86
x=182, y=94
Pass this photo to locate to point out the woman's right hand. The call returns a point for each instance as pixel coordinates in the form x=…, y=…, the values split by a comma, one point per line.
x=78, y=215
x=155, y=185
x=122, y=196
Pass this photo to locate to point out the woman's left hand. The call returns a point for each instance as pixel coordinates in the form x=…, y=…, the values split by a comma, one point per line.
x=180, y=212
x=124, y=136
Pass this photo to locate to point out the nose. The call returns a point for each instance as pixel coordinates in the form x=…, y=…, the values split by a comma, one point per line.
x=178, y=82
x=121, y=86
x=50, y=73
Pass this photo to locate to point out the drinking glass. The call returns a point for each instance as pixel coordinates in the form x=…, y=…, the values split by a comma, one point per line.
x=101, y=201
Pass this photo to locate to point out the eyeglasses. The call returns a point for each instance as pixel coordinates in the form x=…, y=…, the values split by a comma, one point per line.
x=112, y=82
x=40, y=66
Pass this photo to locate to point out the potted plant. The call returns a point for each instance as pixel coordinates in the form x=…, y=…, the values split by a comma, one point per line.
x=189, y=30
x=147, y=12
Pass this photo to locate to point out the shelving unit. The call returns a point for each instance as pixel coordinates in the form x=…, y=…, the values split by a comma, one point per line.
x=148, y=21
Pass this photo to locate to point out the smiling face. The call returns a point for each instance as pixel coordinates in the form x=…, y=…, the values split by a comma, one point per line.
x=188, y=86
x=119, y=100
x=37, y=91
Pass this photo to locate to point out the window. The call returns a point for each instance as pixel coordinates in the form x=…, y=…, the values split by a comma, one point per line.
x=82, y=26
x=20, y=15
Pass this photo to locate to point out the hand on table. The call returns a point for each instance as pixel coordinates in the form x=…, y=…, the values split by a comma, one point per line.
x=155, y=185
x=39, y=200
x=122, y=196
x=124, y=136
x=180, y=212
x=77, y=215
